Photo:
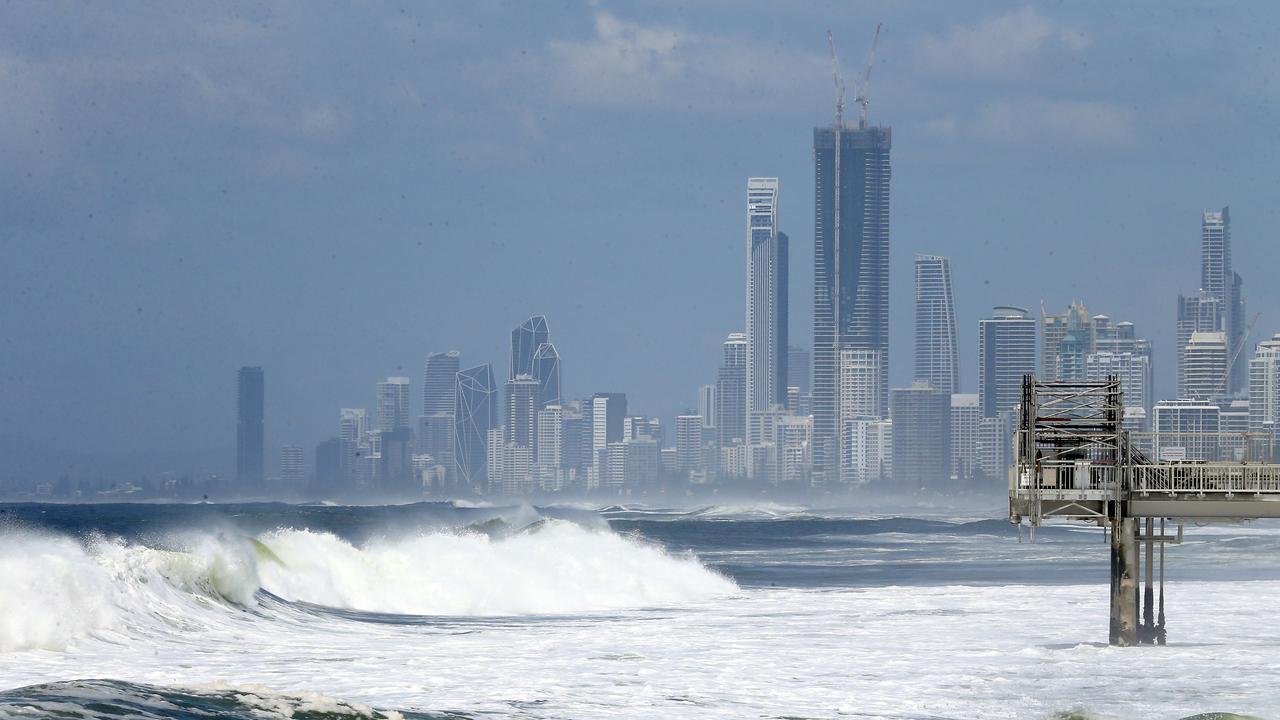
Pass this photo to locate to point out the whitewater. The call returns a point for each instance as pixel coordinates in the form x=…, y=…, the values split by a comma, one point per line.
x=751, y=610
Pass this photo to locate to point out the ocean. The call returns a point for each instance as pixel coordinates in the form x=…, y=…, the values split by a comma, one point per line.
x=469, y=610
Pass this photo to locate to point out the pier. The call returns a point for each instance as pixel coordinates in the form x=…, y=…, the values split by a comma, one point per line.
x=1073, y=460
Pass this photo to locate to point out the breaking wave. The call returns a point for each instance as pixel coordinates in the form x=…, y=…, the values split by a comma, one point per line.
x=59, y=589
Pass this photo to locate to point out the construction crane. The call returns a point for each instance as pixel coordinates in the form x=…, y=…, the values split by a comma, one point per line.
x=862, y=91
x=1235, y=353
x=835, y=78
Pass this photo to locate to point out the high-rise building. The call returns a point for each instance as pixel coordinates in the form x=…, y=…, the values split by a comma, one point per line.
x=1186, y=430
x=437, y=423
x=1199, y=313
x=995, y=446
x=250, y=434
x=937, y=354
x=525, y=341
x=1133, y=370
x=575, y=442
x=798, y=372
x=608, y=411
x=357, y=452
x=533, y=354
x=550, y=436
x=688, y=442
x=859, y=385
x=549, y=454
x=766, y=378
x=867, y=452
x=293, y=467
x=921, y=418
x=1220, y=281
x=731, y=391
x=793, y=448
x=329, y=477
x=707, y=406
x=546, y=370
x=1204, y=366
x=1054, y=329
x=851, y=269
x=393, y=404
x=395, y=471
x=1264, y=387
x=476, y=401
x=521, y=425
x=1006, y=352
x=966, y=418
x=439, y=374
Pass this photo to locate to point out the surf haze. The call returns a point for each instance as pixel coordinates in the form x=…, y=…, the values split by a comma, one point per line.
x=632, y=360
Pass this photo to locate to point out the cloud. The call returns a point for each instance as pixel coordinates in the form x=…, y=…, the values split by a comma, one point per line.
x=1003, y=46
x=633, y=63
x=1081, y=122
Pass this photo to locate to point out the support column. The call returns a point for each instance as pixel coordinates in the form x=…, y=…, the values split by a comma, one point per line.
x=1124, y=582
x=1148, y=594
x=1161, y=637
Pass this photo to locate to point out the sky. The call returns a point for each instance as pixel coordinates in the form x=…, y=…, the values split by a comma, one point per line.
x=331, y=191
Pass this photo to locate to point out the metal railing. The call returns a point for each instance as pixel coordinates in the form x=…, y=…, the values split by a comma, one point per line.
x=1206, y=478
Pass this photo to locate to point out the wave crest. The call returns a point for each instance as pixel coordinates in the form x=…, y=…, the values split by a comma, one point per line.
x=557, y=568
x=57, y=589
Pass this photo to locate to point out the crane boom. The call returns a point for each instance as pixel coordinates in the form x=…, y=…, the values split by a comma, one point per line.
x=862, y=93
x=835, y=78
x=1235, y=353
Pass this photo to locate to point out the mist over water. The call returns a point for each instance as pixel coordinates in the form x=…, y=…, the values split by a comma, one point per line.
x=742, y=609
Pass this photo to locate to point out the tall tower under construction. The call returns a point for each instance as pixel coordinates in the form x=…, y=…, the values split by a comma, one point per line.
x=851, y=268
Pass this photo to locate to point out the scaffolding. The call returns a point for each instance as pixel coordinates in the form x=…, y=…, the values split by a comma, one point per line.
x=1074, y=461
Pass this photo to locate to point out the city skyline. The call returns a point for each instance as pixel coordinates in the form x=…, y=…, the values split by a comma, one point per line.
x=601, y=358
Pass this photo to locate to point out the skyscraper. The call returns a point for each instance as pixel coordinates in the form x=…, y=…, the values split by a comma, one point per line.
x=393, y=404
x=1197, y=313
x=1133, y=370
x=1054, y=328
x=766, y=298
x=859, y=378
x=533, y=354
x=608, y=411
x=476, y=401
x=798, y=363
x=1219, y=279
x=546, y=370
x=707, y=406
x=937, y=355
x=688, y=442
x=525, y=341
x=293, y=468
x=1264, y=387
x=439, y=374
x=549, y=454
x=731, y=390
x=1006, y=352
x=437, y=424
x=966, y=418
x=851, y=268
x=522, y=411
x=250, y=441
x=1204, y=366
x=921, y=436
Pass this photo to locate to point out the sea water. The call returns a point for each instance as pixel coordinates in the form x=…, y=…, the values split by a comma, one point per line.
x=757, y=610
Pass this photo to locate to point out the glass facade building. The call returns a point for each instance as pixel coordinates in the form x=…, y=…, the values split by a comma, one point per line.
x=476, y=400
x=851, y=269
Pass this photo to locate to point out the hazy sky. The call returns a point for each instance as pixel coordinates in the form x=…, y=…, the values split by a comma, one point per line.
x=331, y=191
